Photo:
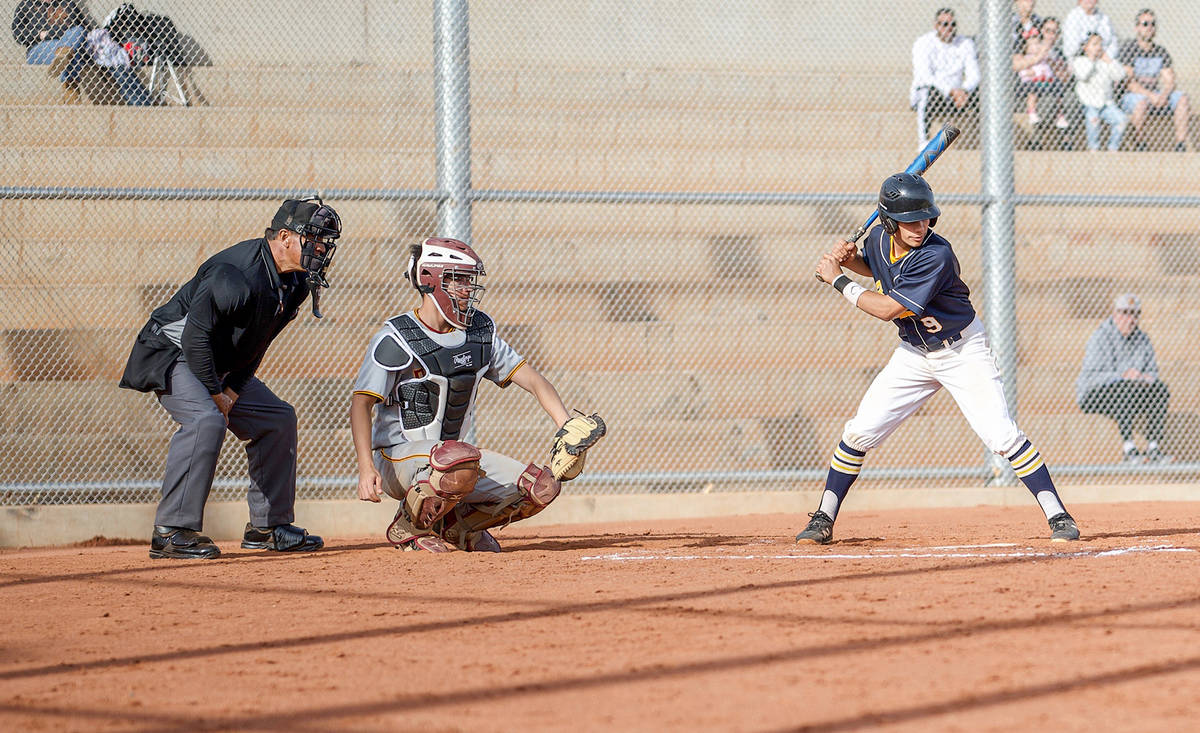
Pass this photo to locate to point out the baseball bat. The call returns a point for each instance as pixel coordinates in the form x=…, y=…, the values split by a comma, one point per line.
x=928, y=155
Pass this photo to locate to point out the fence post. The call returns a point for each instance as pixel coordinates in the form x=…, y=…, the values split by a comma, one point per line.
x=452, y=113
x=998, y=222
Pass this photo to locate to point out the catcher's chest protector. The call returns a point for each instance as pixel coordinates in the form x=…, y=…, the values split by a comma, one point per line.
x=454, y=370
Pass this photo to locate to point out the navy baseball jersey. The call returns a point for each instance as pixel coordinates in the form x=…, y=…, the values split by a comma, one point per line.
x=927, y=282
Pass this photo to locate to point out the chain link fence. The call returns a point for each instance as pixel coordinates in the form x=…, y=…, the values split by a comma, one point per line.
x=650, y=185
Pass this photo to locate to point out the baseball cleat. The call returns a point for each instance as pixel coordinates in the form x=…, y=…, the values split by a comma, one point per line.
x=280, y=538
x=1062, y=528
x=179, y=543
x=482, y=541
x=819, y=530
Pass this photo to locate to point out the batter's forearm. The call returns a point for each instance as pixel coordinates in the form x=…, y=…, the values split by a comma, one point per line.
x=879, y=305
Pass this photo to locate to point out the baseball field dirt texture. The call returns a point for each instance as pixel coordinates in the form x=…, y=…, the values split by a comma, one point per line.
x=912, y=620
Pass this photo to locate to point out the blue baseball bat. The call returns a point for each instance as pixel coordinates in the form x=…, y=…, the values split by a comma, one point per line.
x=928, y=155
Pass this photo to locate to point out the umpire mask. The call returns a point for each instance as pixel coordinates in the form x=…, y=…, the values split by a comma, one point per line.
x=319, y=226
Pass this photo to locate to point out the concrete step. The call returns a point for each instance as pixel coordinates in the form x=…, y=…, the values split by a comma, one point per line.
x=212, y=127
x=614, y=128
x=167, y=168
x=382, y=87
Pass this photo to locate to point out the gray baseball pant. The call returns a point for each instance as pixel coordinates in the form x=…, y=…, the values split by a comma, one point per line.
x=259, y=417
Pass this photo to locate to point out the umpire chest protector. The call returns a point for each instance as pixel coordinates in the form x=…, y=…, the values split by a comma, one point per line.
x=434, y=385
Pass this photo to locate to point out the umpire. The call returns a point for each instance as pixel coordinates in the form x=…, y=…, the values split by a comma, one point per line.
x=198, y=354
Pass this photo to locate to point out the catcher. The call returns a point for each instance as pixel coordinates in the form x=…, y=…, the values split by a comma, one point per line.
x=420, y=376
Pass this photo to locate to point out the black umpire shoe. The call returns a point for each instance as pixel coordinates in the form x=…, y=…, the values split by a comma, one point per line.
x=181, y=544
x=819, y=530
x=1062, y=528
x=280, y=538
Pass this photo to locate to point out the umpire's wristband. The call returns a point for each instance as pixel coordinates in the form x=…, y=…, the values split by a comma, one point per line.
x=849, y=289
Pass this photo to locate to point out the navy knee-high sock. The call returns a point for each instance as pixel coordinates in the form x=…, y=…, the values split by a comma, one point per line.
x=843, y=471
x=1027, y=463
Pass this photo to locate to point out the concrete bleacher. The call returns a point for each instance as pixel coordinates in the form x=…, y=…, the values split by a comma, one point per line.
x=635, y=311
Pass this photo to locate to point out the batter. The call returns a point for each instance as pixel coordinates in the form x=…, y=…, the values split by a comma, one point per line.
x=942, y=344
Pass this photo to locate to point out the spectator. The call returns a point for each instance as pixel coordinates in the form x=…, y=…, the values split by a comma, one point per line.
x=1042, y=75
x=199, y=353
x=1082, y=20
x=1095, y=73
x=54, y=34
x=1119, y=379
x=1151, y=86
x=945, y=74
x=1024, y=20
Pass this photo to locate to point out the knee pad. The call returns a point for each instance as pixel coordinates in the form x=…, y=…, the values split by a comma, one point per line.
x=538, y=485
x=536, y=488
x=455, y=472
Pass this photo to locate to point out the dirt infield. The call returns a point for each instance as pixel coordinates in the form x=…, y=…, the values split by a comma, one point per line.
x=933, y=620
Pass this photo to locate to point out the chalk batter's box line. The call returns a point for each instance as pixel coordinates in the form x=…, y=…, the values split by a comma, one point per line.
x=950, y=551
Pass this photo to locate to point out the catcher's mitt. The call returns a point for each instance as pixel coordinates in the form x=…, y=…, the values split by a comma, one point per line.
x=571, y=443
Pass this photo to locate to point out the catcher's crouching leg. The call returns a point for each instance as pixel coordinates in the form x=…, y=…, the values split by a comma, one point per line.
x=455, y=471
x=536, y=488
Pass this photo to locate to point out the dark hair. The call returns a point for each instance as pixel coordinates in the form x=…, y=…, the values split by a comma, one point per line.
x=1049, y=18
x=1144, y=11
x=943, y=11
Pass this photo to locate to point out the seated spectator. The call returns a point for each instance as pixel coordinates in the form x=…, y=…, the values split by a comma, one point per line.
x=945, y=74
x=1042, y=75
x=1119, y=379
x=1095, y=74
x=54, y=34
x=1024, y=20
x=1151, y=86
x=1083, y=20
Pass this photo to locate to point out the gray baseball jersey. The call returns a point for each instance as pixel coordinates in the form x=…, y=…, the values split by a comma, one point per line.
x=426, y=381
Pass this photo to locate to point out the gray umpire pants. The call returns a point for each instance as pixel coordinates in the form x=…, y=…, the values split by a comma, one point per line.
x=259, y=417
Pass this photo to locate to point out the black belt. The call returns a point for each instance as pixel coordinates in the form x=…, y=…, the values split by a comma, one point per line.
x=942, y=344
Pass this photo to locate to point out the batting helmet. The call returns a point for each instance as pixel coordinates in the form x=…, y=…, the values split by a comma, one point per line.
x=906, y=197
x=451, y=273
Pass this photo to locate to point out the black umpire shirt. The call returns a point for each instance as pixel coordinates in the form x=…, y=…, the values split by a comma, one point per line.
x=221, y=321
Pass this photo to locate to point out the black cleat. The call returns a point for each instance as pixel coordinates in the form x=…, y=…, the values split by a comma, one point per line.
x=280, y=538
x=819, y=530
x=180, y=543
x=1062, y=528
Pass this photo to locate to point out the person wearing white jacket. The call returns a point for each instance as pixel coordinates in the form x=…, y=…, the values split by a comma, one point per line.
x=945, y=74
x=1095, y=74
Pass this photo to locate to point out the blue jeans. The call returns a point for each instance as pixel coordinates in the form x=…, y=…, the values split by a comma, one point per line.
x=42, y=53
x=1116, y=120
x=130, y=85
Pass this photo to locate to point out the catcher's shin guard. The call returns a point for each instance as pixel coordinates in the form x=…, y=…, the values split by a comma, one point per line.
x=536, y=488
x=455, y=472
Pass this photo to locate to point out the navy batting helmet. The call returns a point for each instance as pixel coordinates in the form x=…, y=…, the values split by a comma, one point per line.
x=906, y=197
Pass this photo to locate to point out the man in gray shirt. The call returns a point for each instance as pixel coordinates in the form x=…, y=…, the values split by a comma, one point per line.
x=1119, y=379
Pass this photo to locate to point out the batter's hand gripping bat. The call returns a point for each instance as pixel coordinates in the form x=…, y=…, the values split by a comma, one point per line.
x=928, y=155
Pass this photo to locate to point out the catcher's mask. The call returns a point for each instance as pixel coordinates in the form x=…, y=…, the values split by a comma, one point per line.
x=906, y=197
x=451, y=273
x=318, y=226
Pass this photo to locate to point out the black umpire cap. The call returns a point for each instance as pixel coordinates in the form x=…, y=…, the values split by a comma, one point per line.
x=295, y=215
